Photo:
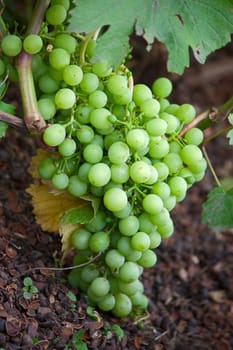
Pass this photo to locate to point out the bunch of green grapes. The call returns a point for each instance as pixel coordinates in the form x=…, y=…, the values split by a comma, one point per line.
x=121, y=144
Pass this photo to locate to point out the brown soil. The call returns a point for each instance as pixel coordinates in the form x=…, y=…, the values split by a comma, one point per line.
x=190, y=288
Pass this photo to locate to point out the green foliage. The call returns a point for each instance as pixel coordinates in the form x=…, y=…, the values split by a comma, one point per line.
x=230, y=132
x=29, y=289
x=76, y=342
x=217, y=210
x=81, y=215
x=3, y=128
x=202, y=25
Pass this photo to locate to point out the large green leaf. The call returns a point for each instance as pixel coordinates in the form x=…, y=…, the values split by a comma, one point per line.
x=218, y=209
x=203, y=25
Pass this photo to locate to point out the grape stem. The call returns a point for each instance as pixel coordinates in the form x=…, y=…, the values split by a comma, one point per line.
x=32, y=117
x=211, y=167
x=12, y=120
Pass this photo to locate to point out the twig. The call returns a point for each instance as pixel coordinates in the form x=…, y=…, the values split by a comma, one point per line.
x=12, y=120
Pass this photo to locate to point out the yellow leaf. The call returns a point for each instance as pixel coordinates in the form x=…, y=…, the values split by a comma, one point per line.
x=65, y=231
x=49, y=205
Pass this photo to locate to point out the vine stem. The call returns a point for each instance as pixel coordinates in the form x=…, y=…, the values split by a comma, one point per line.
x=211, y=167
x=32, y=117
x=12, y=120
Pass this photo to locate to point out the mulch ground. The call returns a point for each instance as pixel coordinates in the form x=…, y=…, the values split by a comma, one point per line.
x=191, y=287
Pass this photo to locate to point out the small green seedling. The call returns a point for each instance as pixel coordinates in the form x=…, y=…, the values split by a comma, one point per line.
x=29, y=289
x=73, y=300
x=76, y=342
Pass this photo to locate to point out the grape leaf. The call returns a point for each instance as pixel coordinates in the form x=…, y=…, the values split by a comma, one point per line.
x=218, y=209
x=202, y=25
x=81, y=215
x=230, y=118
x=3, y=128
x=230, y=136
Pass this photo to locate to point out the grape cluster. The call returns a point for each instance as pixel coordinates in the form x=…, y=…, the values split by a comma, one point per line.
x=120, y=144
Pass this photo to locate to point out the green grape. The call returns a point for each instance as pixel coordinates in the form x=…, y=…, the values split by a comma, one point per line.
x=129, y=226
x=66, y=42
x=113, y=137
x=64, y=3
x=159, y=149
x=101, y=69
x=125, y=248
x=130, y=288
x=56, y=15
x=97, y=99
x=140, y=171
x=47, y=84
x=60, y=181
x=99, y=174
x=141, y=92
x=59, y=58
x=187, y=174
x=152, y=203
x=178, y=186
x=198, y=167
x=115, y=199
x=164, y=104
x=97, y=191
x=90, y=48
x=82, y=113
x=98, y=140
x=83, y=171
x=148, y=259
x=169, y=202
x=11, y=45
x=114, y=259
x=172, y=108
x=153, y=177
x=129, y=272
x=74, y=278
x=123, y=305
x=67, y=148
x=162, y=170
x=156, y=127
x=99, y=241
x=145, y=223
x=166, y=230
x=120, y=173
x=172, y=122
x=106, y=303
x=161, y=218
x=123, y=213
x=155, y=239
x=65, y=98
x=72, y=75
x=162, y=87
x=174, y=147
x=150, y=108
x=46, y=168
x=89, y=83
x=117, y=84
x=190, y=154
x=77, y=187
x=194, y=136
x=46, y=108
x=99, y=118
x=162, y=189
x=118, y=152
x=140, y=241
x=186, y=113
x=79, y=238
x=98, y=222
x=92, y=153
x=123, y=99
x=138, y=139
x=174, y=163
x=54, y=135
x=32, y=44
x=89, y=273
x=139, y=301
x=85, y=134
